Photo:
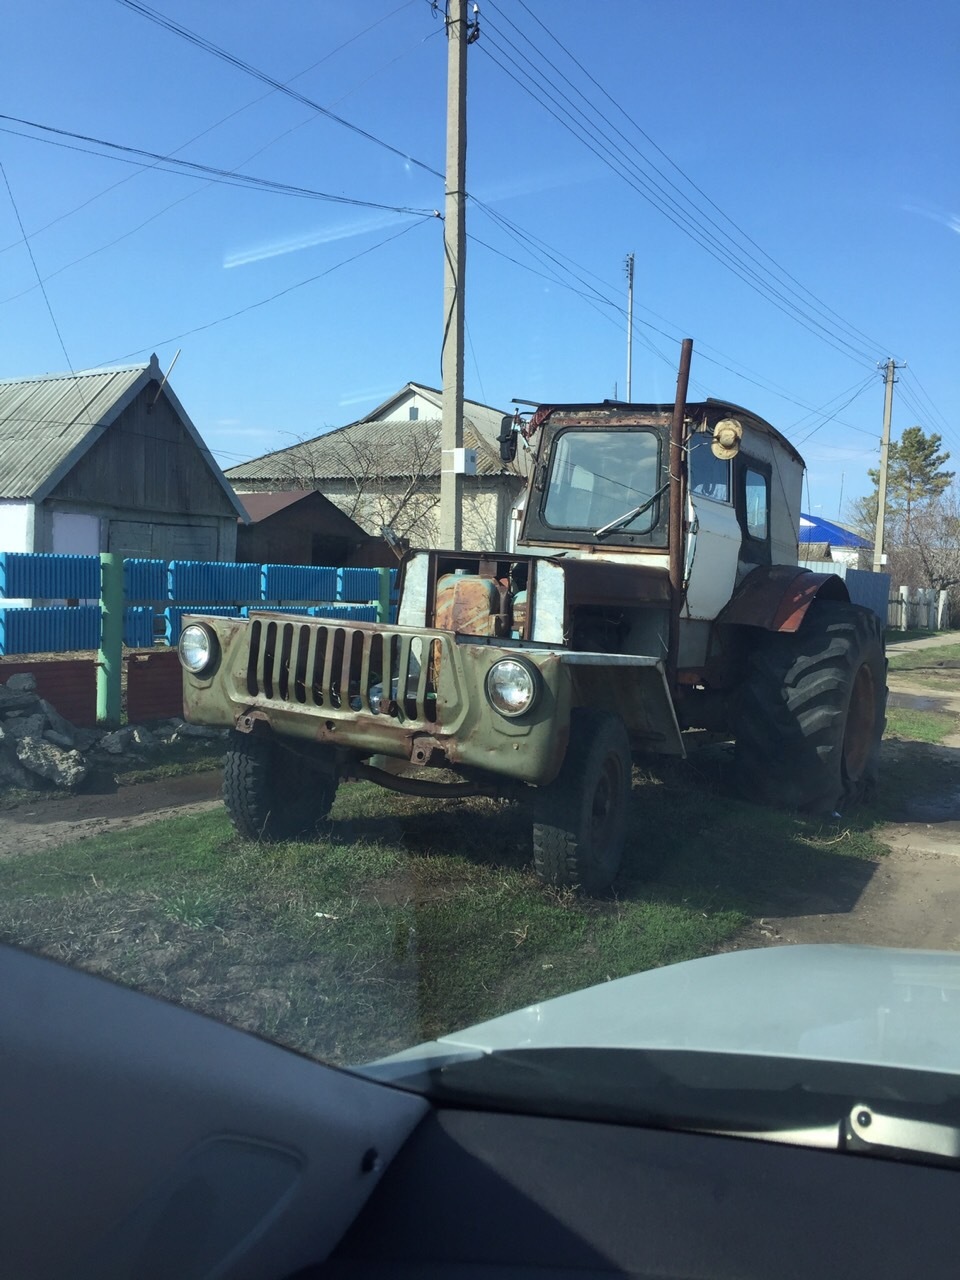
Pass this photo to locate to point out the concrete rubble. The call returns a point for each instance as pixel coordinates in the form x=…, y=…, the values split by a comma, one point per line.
x=40, y=749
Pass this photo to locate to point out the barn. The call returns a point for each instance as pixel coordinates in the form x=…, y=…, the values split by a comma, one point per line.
x=108, y=460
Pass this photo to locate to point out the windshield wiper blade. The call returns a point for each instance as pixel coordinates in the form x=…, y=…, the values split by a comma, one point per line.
x=620, y=521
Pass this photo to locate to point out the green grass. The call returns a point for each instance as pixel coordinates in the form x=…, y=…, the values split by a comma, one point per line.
x=922, y=726
x=927, y=659
x=407, y=918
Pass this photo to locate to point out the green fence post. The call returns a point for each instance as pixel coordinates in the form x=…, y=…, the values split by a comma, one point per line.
x=383, y=597
x=110, y=653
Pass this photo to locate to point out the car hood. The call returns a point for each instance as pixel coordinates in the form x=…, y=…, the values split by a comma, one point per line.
x=868, y=1005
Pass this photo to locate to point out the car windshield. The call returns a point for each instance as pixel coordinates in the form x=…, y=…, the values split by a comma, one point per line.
x=375, y=716
x=599, y=477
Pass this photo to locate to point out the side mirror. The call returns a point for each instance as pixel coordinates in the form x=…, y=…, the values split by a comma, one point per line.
x=508, y=438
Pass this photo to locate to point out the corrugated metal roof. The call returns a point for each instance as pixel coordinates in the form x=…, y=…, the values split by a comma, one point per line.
x=816, y=529
x=390, y=444
x=393, y=448
x=44, y=420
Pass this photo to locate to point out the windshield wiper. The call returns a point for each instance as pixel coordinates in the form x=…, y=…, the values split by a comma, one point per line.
x=620, y=521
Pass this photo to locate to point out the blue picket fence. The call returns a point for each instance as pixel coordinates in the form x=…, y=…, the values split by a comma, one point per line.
x=190, y=586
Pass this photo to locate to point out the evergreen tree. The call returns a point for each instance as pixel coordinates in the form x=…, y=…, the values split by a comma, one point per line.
x=914, y=472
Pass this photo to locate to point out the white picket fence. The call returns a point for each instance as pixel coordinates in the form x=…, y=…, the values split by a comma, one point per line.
x=918, y=609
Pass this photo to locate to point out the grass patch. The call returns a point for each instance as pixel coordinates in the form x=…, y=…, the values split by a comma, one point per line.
x=407, y=918
x=922, y=726
x=893, y=636
x=936, y=656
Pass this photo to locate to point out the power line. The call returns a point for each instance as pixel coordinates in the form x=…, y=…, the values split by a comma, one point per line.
x=726, y=217
x=200, y=328
x=669, y=209
x=216, y=125
x=830, y=417
x=53, y=318
x=224, y=55
x=193, y=168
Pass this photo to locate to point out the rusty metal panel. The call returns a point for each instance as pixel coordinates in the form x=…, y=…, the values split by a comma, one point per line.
x=776, y=597
x=472, y=605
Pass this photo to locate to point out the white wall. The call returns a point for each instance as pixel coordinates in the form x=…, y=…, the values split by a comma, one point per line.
x=14, y=525
x=16, y=534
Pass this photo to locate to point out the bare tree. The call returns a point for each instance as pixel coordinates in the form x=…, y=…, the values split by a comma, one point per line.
x=928, y=548
x=382, y=476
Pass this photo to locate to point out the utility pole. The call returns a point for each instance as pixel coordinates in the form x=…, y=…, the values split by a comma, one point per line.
x=889, y=380
x=454, y=264
x=629, y=268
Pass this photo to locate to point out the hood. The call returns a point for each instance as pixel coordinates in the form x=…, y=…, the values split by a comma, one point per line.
x=867, y=1005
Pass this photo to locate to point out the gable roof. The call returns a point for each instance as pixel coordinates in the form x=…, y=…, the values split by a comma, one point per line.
x=49, y=422
x=337, y=454
x=329, y=518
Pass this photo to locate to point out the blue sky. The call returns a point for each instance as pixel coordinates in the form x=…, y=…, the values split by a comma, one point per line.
x=827, y=133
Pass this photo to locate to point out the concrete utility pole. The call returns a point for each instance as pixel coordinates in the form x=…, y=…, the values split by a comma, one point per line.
x=454, y=264
x=629, y=268
x=889, y=380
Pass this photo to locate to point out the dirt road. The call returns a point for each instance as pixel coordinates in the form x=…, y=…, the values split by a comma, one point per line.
x=44, y=824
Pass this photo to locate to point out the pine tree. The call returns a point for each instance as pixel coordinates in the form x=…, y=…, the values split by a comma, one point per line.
x=914, y=472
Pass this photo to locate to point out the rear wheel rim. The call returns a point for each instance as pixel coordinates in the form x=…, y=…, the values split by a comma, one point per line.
x=858, y=733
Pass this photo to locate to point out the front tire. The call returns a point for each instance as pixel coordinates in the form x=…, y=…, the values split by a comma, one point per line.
x=580, y=818
x=271, y=792
x=812, y=711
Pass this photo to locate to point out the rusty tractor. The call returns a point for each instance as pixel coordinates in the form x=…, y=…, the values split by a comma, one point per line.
x=654, y=589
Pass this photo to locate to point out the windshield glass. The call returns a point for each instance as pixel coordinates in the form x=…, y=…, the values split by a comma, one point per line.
x=600, y=476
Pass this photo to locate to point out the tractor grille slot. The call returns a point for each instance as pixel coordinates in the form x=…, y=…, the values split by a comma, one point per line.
x=344, y=668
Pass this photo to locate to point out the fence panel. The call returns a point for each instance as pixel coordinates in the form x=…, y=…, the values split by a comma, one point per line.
x=52, y=629
x=357, y=585
x=213, y=582
x=871, y=590
x=298, y=582
x=24, y=575
x=145, y=579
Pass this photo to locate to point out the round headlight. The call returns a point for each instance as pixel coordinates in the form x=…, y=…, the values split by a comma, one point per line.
x=512, y=687
x=197, y=648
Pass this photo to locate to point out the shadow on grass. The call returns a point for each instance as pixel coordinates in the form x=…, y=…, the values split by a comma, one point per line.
x=690, y=842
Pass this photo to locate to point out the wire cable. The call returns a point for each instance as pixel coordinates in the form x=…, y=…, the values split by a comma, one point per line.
x=216, y=125
x=262, y=302
x=46, y=297
x=705, y=239
x=216, y=51
x=631, y=121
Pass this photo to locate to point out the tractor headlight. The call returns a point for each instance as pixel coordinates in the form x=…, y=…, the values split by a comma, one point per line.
x=198, y=648
x=512, y=686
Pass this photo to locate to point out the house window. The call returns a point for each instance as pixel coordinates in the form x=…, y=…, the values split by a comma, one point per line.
x=414, y=413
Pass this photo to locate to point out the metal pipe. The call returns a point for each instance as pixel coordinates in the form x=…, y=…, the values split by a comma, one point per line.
x=420, y=786
x=677, y=496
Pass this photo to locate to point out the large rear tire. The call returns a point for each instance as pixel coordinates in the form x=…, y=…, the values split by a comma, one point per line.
x=812, y=711
x=273, y=793
x=580, y=818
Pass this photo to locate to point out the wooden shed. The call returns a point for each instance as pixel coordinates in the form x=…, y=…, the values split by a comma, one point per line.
x=108, y=460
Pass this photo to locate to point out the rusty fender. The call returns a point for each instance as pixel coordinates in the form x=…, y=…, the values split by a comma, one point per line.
x=777, y=597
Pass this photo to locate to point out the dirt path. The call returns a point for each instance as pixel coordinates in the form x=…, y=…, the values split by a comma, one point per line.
x=44, y=824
